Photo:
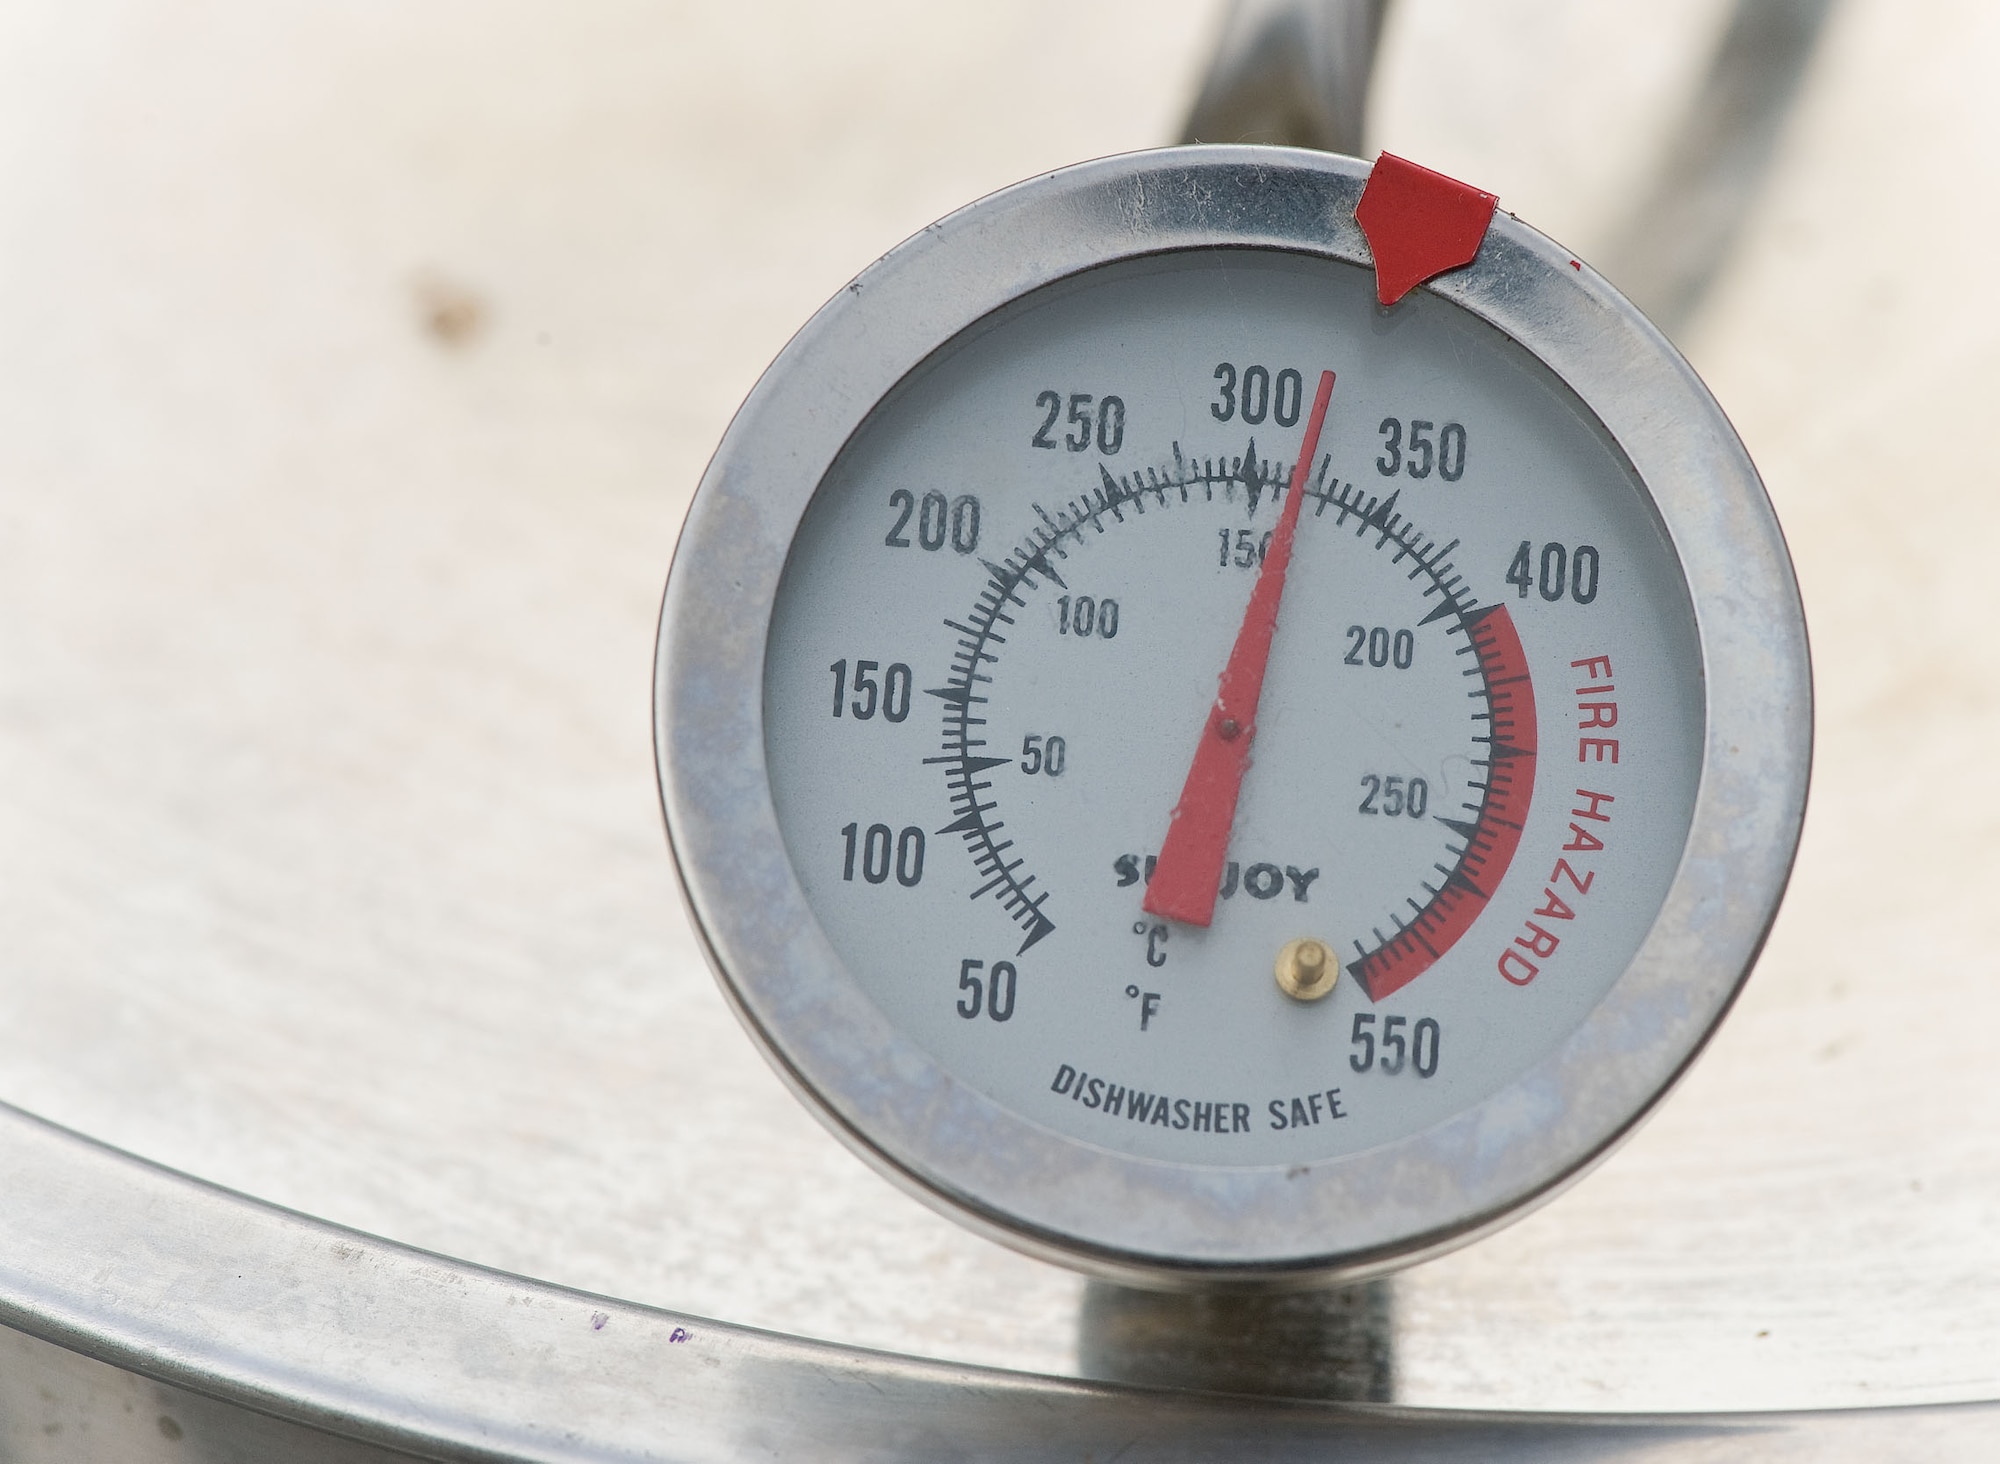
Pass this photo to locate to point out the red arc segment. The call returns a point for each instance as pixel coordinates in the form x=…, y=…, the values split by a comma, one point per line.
x=1186, y=879
x=1503, y=812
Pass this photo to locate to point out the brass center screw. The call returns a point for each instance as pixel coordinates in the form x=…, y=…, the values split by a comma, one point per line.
x=1306, y=969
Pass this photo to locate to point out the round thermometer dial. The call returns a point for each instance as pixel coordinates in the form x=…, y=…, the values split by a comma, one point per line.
x=1204, y=773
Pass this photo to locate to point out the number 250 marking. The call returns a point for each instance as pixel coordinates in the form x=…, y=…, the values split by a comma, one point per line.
x=1110, y=418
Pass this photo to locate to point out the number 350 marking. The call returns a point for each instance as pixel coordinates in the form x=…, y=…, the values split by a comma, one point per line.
x=1417, y=454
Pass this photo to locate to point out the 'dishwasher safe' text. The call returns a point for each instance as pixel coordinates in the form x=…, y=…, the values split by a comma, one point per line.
x=1193, y=1115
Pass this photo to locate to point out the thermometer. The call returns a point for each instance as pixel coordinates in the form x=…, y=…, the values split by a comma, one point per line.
x=1231, y=715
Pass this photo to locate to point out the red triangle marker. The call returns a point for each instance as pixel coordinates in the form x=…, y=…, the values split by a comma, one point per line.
x=1419, y=224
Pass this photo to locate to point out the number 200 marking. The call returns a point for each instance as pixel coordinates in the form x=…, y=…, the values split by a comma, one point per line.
x=1380, y=647
x=937, y=518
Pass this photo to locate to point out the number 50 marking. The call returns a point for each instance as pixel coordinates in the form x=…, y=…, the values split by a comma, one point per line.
x=995, y=993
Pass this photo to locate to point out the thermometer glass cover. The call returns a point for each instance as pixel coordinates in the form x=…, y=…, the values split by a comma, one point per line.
x=1203, y=775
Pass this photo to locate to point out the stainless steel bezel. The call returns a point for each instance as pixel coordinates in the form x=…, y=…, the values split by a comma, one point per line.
x=1143, y=1220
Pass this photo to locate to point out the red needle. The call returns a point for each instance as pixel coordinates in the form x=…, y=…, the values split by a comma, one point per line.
x=1186, y=879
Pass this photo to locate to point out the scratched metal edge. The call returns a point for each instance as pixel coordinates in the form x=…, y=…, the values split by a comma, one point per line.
x=1756, y=623
x=885, y=1098
x=157, y=1273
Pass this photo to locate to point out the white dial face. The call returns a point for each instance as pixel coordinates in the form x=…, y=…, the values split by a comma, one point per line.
x=994, y=664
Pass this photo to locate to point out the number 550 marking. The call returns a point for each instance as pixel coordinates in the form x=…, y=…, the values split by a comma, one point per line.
x=1418, y=1051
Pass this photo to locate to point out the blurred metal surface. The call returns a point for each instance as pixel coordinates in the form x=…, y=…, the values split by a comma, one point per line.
x=357, y=366
x=1290, y=73
x=1297, y=73
x=1680, y=232
x=61, y=1407
x=270, y=1335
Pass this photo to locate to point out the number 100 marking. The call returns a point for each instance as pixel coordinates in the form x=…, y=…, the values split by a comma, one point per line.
x=1083, y=615
x=874, y=848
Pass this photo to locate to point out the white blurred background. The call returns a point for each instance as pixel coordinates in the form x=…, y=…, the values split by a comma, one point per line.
x=356, y=364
